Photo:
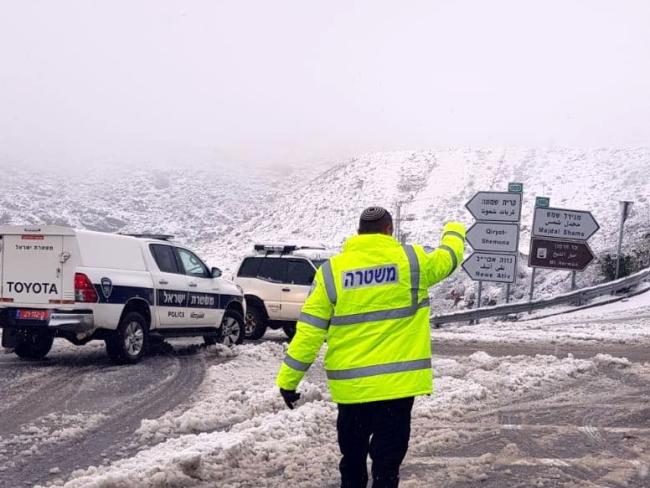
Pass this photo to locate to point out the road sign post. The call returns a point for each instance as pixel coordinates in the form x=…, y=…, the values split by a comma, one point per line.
x=532, y=287
x=625, y=212
x=573, y=280
x=479, y=297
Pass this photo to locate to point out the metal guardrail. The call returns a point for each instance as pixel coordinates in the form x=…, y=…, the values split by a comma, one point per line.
x=579, y=296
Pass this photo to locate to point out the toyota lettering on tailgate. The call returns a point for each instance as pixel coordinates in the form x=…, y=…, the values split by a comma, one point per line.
x=38, y=288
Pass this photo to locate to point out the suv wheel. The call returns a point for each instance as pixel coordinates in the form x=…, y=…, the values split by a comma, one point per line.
x=255, y=325
x=289, y=330
x=33, y=344
x=232, y=328
x=127, y=344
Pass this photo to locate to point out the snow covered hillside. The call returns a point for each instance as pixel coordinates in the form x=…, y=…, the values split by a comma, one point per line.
x=195, y=204
x=435, y=185
x=222, y=210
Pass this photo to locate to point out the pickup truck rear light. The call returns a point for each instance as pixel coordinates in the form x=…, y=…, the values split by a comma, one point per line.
x=84, y=291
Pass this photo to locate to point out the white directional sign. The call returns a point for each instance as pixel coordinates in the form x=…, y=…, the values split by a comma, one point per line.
x=482, y=266
x=561, y=223
x=493, y=237
x=497, y=206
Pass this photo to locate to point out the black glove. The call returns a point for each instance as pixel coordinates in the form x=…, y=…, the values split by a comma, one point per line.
x=290, y=397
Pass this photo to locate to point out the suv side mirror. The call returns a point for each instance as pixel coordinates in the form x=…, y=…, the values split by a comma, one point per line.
x=216, y=272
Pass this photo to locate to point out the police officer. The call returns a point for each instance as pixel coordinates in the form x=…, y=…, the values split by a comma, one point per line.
x=371, y=304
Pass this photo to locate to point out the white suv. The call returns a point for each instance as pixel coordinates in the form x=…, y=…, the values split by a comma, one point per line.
x=80, y=285
x=276, y=279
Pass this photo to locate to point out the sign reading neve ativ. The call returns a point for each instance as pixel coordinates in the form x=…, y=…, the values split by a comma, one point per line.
x=493, y=237
x=497, y=206
x=561, y=223
x=481, y=266
x=555, y=254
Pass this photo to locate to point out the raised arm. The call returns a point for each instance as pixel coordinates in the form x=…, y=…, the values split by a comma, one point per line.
x=443, y=260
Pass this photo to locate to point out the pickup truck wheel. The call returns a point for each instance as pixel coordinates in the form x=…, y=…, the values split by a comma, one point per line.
x=255, y=325
x=127, y=344
x=232, y=328
x=33, y=344
x=289, y=330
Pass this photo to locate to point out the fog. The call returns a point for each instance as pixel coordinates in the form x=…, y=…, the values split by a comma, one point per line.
x=182, y=82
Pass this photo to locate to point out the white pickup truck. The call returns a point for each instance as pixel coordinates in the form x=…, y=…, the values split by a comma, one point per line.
x=80, y=285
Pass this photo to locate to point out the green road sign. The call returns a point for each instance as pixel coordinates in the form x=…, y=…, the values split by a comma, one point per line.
x=542, y=202
x=516, y=187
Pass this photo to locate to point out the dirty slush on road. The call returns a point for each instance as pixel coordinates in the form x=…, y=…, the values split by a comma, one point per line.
x=76, y=410
x=592, y=431
x=501, y=416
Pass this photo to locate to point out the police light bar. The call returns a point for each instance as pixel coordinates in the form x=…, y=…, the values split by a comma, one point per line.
x=274, y=248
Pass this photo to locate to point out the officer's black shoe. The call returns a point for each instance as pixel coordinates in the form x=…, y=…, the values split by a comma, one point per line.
x=385, y=481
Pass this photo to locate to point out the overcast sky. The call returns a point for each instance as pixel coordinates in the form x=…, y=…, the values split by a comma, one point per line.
x=298, y=81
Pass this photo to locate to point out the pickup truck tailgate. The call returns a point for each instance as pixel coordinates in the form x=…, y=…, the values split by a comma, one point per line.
x=31, y=268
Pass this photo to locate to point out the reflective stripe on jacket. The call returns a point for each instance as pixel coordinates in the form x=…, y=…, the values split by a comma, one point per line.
x=371, y=304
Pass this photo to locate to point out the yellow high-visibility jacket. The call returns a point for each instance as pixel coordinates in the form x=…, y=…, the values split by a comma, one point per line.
x=371, y=304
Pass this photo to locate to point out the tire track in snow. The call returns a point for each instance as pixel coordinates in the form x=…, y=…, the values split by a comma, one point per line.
x=142, y=391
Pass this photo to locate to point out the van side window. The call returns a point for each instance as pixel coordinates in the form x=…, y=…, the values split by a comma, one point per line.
x=273, y=269
x=249, y=267
x=300, y=272
x=164, y=257
x=192, y=265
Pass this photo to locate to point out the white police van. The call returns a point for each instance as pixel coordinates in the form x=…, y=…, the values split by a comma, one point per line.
x=276, y=279
x=80, y=285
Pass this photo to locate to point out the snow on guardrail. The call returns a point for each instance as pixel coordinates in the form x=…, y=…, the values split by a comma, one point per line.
x=580, y=295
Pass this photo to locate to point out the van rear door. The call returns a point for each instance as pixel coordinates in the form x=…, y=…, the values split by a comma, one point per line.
x=31, y=269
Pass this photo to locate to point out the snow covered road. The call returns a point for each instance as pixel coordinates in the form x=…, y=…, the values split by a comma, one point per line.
x=517, y=420
x=75, y=408
x=556, y=402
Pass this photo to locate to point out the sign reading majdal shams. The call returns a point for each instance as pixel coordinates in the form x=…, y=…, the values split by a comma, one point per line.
x=560, y=223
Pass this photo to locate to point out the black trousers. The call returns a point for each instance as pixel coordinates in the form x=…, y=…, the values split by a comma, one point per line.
x=381, y=429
